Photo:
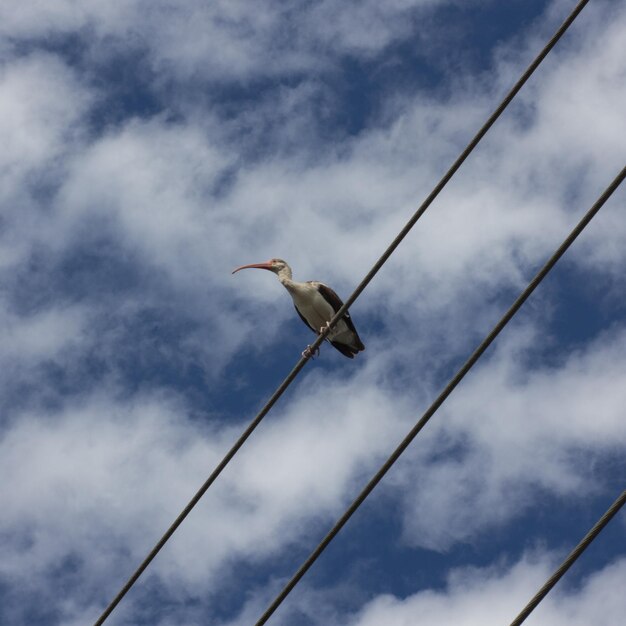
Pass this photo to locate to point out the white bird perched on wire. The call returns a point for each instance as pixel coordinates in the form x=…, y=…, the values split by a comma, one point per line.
x=316, y=304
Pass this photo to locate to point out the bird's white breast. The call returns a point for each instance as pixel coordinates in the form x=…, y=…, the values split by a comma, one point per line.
x=314, y=308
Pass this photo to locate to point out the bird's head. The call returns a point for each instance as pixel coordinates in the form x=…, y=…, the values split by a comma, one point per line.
x=278, y=266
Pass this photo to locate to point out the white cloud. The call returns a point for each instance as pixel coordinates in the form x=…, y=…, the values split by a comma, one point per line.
x=41, y=335
x=183, y=202
x=109, y=474
x=223, y=40
x=151, y=181
x=114, y=473
x=514, y=432
x=154, y=182
x=482, y=597
x=42, y=104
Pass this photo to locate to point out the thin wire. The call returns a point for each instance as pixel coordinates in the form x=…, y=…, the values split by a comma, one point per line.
x=357, y=292
x=442, y=396
x=571, y=558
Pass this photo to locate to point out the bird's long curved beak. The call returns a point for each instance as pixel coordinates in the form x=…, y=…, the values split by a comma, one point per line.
x=261, y=266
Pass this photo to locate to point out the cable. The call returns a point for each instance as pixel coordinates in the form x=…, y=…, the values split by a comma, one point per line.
x=442, y=396
x=357, y=292
x=571, y=558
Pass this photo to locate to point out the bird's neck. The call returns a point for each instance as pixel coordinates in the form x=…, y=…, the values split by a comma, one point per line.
x=290, y=285
x=284, y=276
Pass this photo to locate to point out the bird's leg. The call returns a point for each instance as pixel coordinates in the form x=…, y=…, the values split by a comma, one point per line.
x=323, y=328
x=310, y=354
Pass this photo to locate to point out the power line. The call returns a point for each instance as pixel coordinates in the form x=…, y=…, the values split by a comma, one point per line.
x=442, y=396
x=357, y=292
x=571, y=558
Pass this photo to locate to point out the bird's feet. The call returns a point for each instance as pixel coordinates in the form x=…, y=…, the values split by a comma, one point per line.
x=310, y=354
x=323, y=328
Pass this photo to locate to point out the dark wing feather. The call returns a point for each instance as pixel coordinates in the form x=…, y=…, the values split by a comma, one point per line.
x=335, y=301
x=344, y=349
x=330, y=296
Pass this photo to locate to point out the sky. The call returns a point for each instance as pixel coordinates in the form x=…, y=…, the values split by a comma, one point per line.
x=148, y=148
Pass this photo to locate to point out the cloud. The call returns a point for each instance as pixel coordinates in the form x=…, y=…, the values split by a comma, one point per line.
x=112, y=472
x=496, y=594
x=224, y=40
x=109, y=472
x=40, y=336
x=42, y=104
x=509, y=434
x=121, y=319
x=192, y=204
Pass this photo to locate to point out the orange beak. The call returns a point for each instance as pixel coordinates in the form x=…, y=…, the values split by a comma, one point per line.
x=261, y=266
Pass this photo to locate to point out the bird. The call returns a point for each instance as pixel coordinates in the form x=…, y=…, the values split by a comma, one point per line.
x=316, y=304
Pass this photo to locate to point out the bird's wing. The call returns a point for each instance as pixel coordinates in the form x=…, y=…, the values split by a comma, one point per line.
x=344, y=349
x=336, y=302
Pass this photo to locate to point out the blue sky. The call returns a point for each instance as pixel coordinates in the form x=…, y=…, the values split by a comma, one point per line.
x=151, y=147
